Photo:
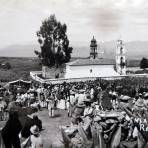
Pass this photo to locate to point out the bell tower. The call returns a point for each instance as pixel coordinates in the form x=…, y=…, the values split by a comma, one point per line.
x=120, y=58
x=93, y=49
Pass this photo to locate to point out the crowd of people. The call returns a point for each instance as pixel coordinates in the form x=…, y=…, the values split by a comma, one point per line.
x=110, y=107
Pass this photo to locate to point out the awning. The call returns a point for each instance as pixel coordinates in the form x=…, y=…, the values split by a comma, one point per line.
x=19, y=82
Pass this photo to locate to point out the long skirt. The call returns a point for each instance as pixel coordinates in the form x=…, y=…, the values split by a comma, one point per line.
x=61, y=104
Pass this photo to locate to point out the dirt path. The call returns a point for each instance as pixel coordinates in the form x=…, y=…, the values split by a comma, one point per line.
x=51, y=133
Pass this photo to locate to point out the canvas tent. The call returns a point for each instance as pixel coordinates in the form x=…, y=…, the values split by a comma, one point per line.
x=20, y=83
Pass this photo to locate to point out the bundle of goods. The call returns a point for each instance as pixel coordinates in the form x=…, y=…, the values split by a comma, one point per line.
x=107, y=130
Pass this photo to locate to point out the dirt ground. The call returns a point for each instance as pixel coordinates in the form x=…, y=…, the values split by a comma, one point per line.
x=51, y=133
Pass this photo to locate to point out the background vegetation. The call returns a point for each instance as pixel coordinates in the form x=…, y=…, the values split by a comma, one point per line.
x=21, y=67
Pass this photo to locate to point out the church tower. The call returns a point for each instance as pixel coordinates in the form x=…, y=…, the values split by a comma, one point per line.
x=93, y=49
x=120, y=58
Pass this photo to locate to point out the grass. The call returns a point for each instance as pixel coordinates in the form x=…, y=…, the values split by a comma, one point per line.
x=20, y=68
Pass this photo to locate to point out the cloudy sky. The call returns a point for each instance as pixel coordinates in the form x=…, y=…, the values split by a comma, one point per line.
x=106, y=19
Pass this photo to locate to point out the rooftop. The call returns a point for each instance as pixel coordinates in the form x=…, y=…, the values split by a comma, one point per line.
x=84, y=62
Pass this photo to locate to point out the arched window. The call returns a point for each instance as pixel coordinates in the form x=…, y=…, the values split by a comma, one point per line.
x=121, y=50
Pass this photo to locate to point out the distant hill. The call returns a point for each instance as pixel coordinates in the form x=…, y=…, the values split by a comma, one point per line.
x=19, y=50
x=135, y=50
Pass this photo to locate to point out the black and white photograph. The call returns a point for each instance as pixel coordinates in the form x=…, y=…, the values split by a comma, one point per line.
x=73, y=74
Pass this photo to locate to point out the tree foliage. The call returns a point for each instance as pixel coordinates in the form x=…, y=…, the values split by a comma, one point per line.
x=6, y=66
x=144, y=63
x=53, y=42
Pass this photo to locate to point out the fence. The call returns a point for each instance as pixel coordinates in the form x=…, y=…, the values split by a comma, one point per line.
x=35, y=77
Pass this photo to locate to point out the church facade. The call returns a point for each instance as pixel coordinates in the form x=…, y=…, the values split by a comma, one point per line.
x=98, y=67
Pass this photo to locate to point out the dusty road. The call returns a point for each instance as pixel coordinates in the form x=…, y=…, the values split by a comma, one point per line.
x=51, y=133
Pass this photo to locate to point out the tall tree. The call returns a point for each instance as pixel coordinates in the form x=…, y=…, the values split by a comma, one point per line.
x=144, y=63
x=54, y=43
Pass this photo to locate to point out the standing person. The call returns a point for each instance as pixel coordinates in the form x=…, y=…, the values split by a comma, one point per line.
x=88, y=111
x=10, y=132
x=51, y=106
x=92, y=92
x=39, y=91
x=46, y=95
x=72, y=103
x=95, y=94
x=81, y=96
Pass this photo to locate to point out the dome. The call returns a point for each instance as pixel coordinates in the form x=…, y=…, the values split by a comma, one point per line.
x=93, y=42
x=93, y=39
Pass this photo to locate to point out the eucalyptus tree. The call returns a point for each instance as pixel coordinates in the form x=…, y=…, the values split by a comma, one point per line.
x=54, y=43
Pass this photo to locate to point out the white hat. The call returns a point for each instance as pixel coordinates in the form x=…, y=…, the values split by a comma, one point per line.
x=125, y=98
x=34, y=130
x=114, y=93
x=145, y=95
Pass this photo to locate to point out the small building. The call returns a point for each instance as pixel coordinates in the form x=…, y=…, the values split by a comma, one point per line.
x=91, y=68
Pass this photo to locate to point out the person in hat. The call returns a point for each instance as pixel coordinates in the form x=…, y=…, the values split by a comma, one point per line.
x=139, y=104
x=114, y=99
x=81, y=96
x=88, y=108
x=36, y=140
x=92, y=92
x=72, y=101
x=124, y=101
x=77, y=113
x=51, y=106
x=39, y=91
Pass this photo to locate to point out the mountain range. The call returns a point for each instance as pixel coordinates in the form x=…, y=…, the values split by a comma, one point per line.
x=134, y=50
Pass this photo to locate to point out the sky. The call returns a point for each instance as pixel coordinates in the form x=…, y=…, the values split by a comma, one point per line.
x=105, y=19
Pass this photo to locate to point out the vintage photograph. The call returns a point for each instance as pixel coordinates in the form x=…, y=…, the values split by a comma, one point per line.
x=73, y=74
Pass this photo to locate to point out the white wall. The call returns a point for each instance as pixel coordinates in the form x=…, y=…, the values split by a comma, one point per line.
x=84, y=71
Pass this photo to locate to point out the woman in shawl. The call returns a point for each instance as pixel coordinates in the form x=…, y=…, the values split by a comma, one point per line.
x=10, y=132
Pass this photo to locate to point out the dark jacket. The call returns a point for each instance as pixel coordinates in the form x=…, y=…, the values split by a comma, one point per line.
x=10, y=132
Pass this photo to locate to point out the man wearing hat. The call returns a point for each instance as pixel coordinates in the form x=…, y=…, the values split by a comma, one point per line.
x=51, y=106
x=124, y=101
x=71, y=103
x=77, y=112
x=88, y=109
x=81, y=96
x=139, y=104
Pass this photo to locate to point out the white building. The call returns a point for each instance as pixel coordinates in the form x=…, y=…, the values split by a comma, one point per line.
x=95, y=66
x=91, y=68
